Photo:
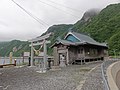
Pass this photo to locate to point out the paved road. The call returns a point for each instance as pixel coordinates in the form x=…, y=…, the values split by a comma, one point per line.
x=118, y=79
x=26, y=78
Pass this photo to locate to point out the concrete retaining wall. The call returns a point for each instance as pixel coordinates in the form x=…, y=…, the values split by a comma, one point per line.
x=111, y=75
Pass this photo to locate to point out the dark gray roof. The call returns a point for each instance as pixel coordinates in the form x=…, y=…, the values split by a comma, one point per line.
x=84, y=39
x=87, y=39
x=65, y=42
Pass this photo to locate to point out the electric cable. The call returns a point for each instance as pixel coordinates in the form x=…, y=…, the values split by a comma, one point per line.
x=64, y=6
x=59, y=9
x=33, y=16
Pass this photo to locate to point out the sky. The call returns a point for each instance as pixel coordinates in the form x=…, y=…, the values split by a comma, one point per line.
x=15, y=23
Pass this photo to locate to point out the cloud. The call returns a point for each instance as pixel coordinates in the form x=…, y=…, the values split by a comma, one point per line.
x=16, y=24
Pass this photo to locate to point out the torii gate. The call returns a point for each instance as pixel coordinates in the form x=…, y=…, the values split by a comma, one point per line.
x=40, y=41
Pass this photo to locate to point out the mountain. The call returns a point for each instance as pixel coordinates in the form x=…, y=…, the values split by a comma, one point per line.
x=57, y=31
x=18, y=47
x=103, y=26
x=15, y=46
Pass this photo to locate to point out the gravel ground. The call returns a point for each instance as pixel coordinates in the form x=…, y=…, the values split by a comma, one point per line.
x=94, y=80
x=26, y=78
x=107, y=64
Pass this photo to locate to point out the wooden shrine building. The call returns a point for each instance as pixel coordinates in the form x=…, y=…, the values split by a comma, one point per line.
x=78, y=47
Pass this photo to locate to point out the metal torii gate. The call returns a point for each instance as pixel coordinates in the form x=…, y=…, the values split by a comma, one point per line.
x=40, y=41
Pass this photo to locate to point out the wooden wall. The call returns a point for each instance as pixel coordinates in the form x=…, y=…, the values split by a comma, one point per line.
x=72, y=53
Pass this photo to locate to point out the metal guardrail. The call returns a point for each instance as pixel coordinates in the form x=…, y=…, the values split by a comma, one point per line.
x=104, y=67
x=106, y=86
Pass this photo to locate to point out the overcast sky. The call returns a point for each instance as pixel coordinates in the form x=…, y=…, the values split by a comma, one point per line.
x=16, y=24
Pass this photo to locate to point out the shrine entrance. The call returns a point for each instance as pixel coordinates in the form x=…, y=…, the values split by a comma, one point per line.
x=42, y=42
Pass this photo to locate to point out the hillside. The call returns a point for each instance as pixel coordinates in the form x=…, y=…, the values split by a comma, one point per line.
x=57, y=31
x=18, y=47
x=103, y=26
x=15, y=46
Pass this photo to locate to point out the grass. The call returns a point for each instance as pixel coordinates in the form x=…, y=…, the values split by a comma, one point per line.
x=114, y=56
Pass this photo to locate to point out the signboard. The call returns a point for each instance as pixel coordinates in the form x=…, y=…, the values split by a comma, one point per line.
x=26, y=54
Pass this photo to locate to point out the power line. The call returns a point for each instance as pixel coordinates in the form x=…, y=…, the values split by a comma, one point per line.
x=58, y=9
x=64, y=6
x=33, y=16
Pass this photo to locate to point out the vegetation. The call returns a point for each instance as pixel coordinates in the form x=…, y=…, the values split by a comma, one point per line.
x=57, y=31
x=15, y=46
x=103, y=27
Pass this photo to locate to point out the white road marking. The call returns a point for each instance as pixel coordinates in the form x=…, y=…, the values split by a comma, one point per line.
x=79, y=87
x=19, y=66
x=44, y=71
x=6, y=87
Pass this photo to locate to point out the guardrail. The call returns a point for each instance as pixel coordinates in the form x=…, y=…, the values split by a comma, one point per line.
x=106, y=86
x=104, y=67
